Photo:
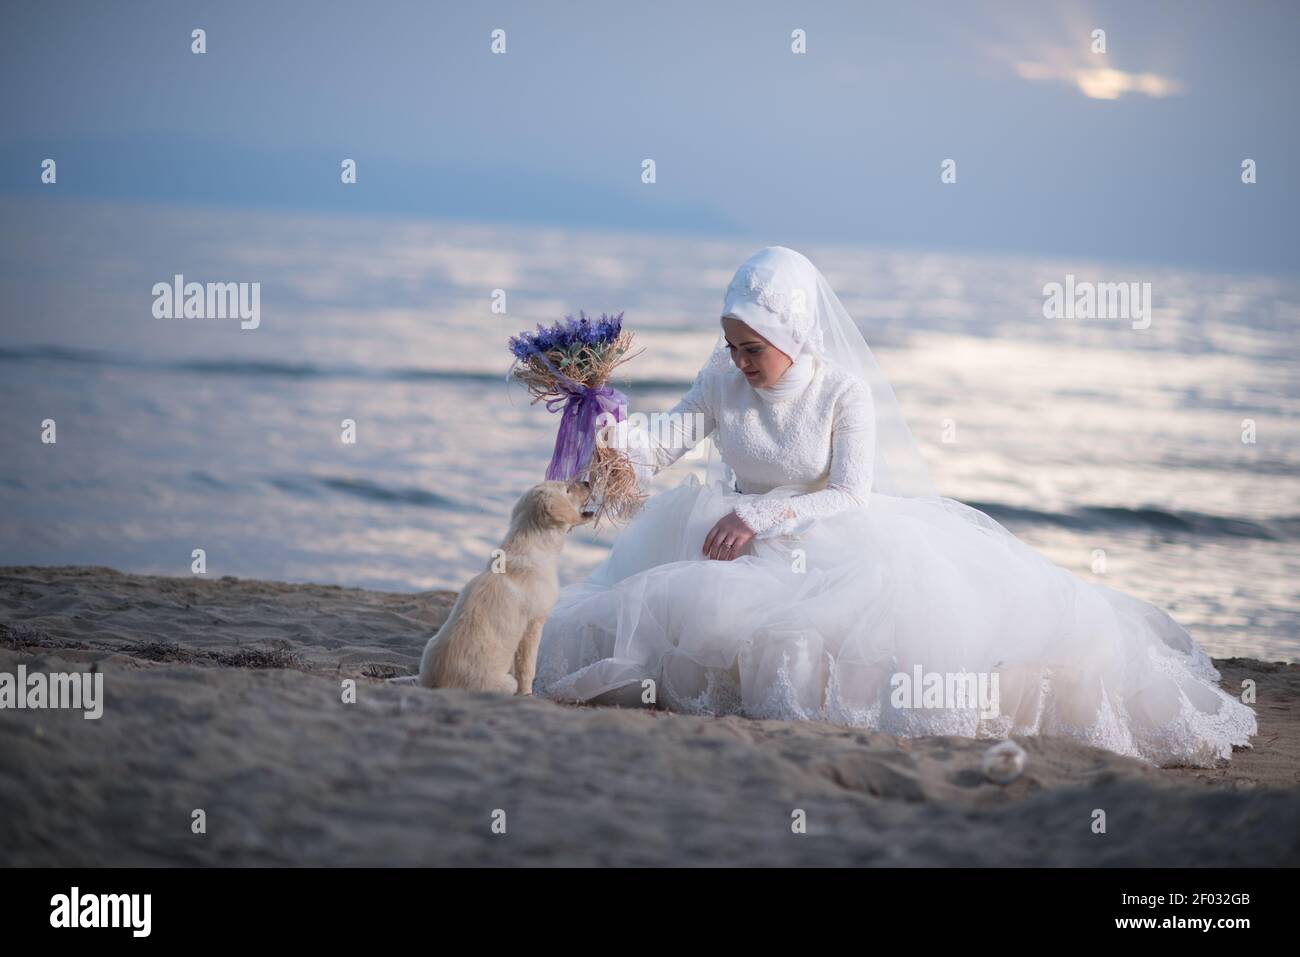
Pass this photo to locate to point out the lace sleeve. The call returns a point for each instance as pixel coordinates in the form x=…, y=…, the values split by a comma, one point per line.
x=853, y=440
x=673, y=433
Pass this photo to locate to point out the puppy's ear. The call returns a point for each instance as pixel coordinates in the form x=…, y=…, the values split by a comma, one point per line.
x=579, y=491
x=557, y=505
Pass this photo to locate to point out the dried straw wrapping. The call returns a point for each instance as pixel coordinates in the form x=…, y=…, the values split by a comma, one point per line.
x=614, y=485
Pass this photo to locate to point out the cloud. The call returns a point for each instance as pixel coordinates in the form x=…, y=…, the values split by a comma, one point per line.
x=1101, y=83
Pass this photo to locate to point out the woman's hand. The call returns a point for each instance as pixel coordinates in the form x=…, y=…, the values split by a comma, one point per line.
x=727, y=538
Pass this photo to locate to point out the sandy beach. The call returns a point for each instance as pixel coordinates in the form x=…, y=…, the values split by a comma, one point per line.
x=227, y=696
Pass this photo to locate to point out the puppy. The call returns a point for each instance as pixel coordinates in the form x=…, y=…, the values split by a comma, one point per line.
x=489, y=641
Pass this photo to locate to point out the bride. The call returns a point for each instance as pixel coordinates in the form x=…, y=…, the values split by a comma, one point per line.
x=816, y=574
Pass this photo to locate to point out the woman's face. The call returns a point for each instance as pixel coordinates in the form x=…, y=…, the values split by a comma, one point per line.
x=762, y=362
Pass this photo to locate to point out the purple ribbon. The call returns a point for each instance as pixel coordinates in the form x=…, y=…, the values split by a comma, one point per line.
x=579, y=410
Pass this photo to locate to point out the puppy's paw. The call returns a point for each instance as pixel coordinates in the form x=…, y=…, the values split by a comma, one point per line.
x=508, y=684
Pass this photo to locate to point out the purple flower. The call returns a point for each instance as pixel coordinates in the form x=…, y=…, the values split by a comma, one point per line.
x=520, y=347
x=569, y=335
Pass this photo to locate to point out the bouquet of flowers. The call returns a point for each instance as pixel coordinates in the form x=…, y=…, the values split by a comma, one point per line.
x=568, y=366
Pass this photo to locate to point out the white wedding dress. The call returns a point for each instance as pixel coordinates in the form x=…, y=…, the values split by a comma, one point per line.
x=844, y=588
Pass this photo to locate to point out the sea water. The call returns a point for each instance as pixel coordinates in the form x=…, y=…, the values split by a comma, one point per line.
x=1161, y=460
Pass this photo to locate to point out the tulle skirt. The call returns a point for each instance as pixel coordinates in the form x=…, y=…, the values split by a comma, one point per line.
x=911, y=616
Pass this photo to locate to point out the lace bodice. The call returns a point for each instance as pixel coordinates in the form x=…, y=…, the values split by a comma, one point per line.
x=820, y=440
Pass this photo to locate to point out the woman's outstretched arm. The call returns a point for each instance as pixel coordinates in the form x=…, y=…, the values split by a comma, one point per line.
x=672, y=434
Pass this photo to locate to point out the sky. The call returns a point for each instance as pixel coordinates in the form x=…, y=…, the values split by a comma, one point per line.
x=1131, y=156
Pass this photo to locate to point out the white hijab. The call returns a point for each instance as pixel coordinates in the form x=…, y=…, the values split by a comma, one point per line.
x=783, y=297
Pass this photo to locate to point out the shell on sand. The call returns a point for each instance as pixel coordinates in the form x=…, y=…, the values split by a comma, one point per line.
x=1004, y=762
